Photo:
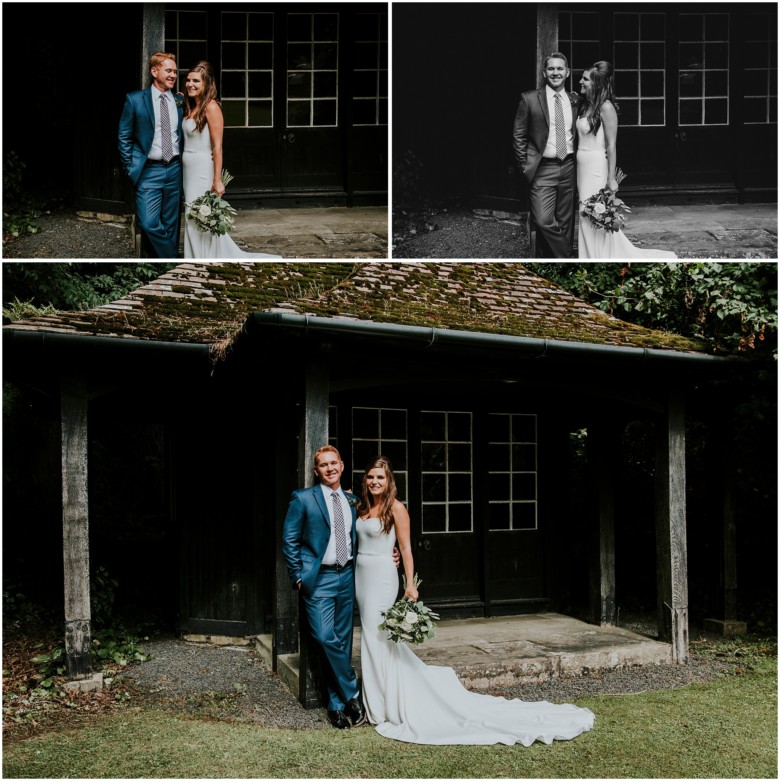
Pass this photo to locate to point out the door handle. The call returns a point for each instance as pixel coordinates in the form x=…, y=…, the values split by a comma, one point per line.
x=681, y=135
x=424, y=544
x=289, y=137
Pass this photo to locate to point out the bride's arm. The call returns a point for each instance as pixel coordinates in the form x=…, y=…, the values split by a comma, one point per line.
x=216, y=125
x=610, y=121
x=401, y=520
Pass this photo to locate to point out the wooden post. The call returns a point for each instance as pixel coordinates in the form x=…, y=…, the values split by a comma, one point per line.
x=313, y=435
x=153, y=38
x=546, y=36
x=75, y=527
x=604, y=445
x=671, y=545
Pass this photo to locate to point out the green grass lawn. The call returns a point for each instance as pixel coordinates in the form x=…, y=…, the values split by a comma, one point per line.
x=723, y=729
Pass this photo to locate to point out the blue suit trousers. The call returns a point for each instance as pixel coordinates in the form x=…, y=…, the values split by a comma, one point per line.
x=158, y=206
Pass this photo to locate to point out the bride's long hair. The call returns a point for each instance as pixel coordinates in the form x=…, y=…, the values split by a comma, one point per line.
x=384, y=509
x=196, y=109
x=602, y=91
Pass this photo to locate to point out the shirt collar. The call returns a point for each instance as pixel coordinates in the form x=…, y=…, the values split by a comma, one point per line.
x=551, y=92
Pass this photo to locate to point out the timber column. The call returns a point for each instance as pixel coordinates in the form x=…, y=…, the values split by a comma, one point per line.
x=546, y=36
x=75, y=528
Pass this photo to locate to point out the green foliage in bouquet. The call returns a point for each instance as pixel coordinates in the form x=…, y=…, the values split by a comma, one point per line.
x=408, y=621
x=212, y=214
x=605, y=210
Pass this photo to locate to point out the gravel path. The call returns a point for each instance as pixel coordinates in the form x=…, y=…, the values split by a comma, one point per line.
x=234, y=684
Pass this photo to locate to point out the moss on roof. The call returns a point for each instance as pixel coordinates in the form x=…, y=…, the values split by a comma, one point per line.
x=208, y=302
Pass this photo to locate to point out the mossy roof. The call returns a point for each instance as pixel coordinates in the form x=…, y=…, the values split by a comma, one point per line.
x=207, y=303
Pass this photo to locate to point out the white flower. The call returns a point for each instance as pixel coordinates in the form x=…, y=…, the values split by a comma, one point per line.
x=599, y=208
x=411, y=618
x=205, y=210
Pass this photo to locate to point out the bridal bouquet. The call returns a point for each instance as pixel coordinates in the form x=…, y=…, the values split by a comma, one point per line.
x=410, y=621
x=605, y=210
x=210, y=213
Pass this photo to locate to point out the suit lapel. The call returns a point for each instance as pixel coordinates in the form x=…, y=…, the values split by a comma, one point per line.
x=147, y=98
x=542, y=93
x=319, y=497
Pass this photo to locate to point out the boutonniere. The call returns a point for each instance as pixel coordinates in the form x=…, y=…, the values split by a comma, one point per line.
x=178, y=99
x=352, y=499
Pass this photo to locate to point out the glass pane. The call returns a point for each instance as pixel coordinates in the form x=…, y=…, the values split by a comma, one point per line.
x=325, y=56
x=755, y=109
x=716, y=55
x=260, y=85
x=498, y=428
x=653, y=55
x=717, y=84
x=233, y=84
x=193, y=25
x=652, y=84
x=459, y=458
x=524, y=486
x=190, y=52
x=233, y=55
x=365, y=26
x=691, y=84
x=326, y=27
x=629, y=112
x=564, y=26
x=432, y=426
x=366, y=55
x=261, y=56
x=523, y=516
x=524, y=458
x=433, y=457
x=524, y=428
x=627, y=84
x=652, y=112
x=363, y=453
x=459, y=427
x=498, y=458
x=400, y=484
x=299, y=27
x=364, y=84
x=626, y=27
x=233, y=113
x=171, y=28
x=383, y=112
x=626, y=56
x=586, y=26
x=758, y=83
x=691, y=27
x=716, y=111
x=364, y=111
x=233, y=26
x=260, y=113
x=396, y=453
x=393, y=423
x=460, y=518
x=690, y=112
x=299, y=85
x=433, y=488
x=584, y=54
x=365, y=423
x=498, y=486
x=299, y=56
x=261, y=27
x=434, y=518
x=653, y=27
x=498, y=517
x=324, y=85
x=324, y=113
x=299, y=113
x=691, y=56
x=716, y=27
x=459, y=488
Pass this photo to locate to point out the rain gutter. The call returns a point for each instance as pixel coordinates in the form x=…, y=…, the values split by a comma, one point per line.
x=431, y=338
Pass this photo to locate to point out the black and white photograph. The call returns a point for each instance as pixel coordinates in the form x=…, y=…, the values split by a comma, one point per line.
x=668, y=130
x=274, y=142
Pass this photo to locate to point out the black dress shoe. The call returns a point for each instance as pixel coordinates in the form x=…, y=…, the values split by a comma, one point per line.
x=356, y=712
x=339, y=719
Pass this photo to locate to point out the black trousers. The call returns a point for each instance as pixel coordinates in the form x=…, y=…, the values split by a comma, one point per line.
x=552, y=194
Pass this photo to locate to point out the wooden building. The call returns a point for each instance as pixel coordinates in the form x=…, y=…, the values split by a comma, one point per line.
x=696, y=87
x=303, y=87
x=470, y=377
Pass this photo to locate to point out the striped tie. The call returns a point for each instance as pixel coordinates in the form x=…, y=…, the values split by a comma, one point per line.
x=165, y=129
x=560, y=128
x=342, y=554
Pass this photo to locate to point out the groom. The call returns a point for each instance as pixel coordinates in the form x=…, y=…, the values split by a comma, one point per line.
x=319, y=544
x=150, y=145
x=545, y=141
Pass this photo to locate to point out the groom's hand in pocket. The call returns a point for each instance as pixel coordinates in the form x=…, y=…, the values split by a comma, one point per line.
x=396, y=557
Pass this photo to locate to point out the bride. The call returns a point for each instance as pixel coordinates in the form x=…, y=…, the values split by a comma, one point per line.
x=597, y=127
x=406, y=699
x=202, y=163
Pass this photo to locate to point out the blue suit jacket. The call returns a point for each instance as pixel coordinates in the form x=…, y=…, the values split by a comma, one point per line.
x=306, y=535
x=136, y=132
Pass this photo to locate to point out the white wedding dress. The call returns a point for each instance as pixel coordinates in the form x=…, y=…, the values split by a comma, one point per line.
x=414, y=702
x=596, y=243
x=198, y=175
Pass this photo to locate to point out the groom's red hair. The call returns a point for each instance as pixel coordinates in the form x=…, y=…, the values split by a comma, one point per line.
x=158, y=58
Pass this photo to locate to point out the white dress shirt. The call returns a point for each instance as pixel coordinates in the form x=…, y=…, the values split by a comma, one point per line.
x=550, y=150
x=346, y=510
x=155, y=153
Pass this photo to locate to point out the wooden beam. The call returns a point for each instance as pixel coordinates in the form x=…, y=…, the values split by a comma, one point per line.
x=546, y=36
x=75, y=527
x=604, y=447
x=313, y=435
x=153, y=38
x=671, y=545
